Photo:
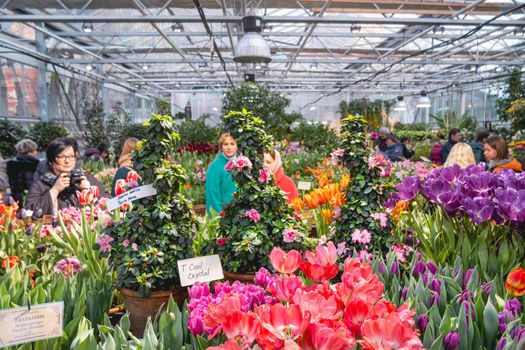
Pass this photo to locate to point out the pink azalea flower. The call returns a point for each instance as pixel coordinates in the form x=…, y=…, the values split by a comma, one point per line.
x=361, y=236
x=134, y=247
x=108, y=222
x=382, y=218
x=338, y=153
x=125, y=242
x=104, y=242
x=264, y=175
x=341, y=248
x=374, y=135
x=364, y=255
x=400, y=252
x=68, y=266
x=229, y=166
x=241, y=162
x=289, y=235
x=252, y=214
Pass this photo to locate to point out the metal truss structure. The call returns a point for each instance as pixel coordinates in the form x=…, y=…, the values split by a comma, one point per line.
x=159, y=47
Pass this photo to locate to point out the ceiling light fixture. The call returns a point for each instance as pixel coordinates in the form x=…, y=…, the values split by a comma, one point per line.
x=401, y=105
x=89, y=67
x=355, y=28
x=177, y=27
x=145, y=67
x=87, y=27
x=423, y=101
x=252, y=48
x=266, y=28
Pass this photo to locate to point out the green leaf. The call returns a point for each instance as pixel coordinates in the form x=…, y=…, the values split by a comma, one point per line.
x=490, y=324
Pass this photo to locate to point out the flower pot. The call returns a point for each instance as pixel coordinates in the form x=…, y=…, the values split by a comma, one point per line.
x=199, y=209
x=140, y=308
x=241, y=277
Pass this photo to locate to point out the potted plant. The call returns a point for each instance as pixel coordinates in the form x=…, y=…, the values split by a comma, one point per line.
x=258, y=218
x=156, y=232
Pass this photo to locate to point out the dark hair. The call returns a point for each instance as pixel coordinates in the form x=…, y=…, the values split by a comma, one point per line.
x=391, y=137
x=403, y=139
x=58, y=145
x=499, y=144
x=482, y=135
x=453, y=131
x=103, y=148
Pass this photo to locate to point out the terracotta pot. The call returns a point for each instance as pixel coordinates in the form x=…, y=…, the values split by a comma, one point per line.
x=199, y=209
x=141, y=308
x=241, y=277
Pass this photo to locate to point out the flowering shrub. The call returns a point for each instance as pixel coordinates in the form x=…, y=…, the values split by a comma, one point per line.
x=157, y=231
x=258, y=218
x=300, y=314
x=199, y=148
x=367, y=192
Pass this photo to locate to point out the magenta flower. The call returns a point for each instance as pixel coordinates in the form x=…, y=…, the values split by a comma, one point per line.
x=382, y=218
x=264, y=175
x=263, y=277
x=68, y=267
x=104, y=242
x=125, y=242
x=252, y=214
x=289, y=235
x=361, y=236
x=229, y=166
x=374, y=135
x=241, y=162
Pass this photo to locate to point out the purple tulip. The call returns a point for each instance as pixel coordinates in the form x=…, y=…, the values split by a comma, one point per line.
x=479, y=209
x=10, y=201
x=435, y=285
x=394, y=269
x=466, y=295
x=38, y=214
x=432, y=267
x=408, y=188
x=486, y=287
x=263, y=277
x=501, y=343
x=513, y=306
x=29, y=229
x=433, y=300
x=199, y=290
x=466, y=277
x=452, y=341
x=404, y=293
x=422, y=323
x=381, y=268
x=196, y=325
x=425, y=276
x=419, y=269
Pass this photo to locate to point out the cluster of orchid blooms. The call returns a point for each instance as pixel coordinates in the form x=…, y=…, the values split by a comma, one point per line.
x=290, y=312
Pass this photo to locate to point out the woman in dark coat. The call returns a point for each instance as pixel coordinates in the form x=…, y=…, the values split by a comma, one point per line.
x=22, y=169
x=57, y=189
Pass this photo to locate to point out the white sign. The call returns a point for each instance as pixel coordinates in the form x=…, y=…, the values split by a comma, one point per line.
x=304, y=185
x=131, y=195
x=21, y=325
x=201, y=269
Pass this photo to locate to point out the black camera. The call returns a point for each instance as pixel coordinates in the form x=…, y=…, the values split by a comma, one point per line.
x=75, y=179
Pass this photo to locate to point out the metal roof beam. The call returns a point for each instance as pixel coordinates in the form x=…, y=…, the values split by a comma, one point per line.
x=268, y=19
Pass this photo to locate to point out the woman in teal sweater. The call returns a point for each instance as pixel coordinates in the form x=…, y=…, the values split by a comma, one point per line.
x=219, y=183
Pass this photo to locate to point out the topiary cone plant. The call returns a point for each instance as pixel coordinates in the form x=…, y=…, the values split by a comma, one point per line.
x=258, y=218
x=158, y=230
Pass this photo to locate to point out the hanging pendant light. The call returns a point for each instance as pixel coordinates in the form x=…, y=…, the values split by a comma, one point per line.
x=252, y=48
x=423, y=101
x=401, y=105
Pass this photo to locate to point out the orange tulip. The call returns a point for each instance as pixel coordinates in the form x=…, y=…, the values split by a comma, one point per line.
x=13, y=260
x=327, y=215
x=401, y=206
x=311, y=200
x=345, y=180
x=515, y=283
x=298, y=205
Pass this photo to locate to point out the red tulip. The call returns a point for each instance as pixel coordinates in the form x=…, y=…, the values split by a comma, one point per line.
x=120, y=187
x=219, y=313
x=242, y=327
x=95, y=191
x=283, y=323
x=12, y=260
x=285, y=262
x=284, y=288
x=515, y=283
x=321, y=337
x=85, y=197
x=321, y=266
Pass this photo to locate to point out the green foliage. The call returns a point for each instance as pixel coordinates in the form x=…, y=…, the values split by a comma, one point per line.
x=101, y=128
x=420, y=136
x=451, y=120
x=45, y=132
x=410, y=127
x=372, y=111
x=193, y=131
x=268, y=105
x=136, y=130
x=315, y=137
x=161, y=226
x=248, y=244
x=10, y=134
x=163, y=107
x=514, y=91
x=366, y=193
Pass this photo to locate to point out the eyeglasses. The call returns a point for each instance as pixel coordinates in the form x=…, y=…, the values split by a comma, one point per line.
x=63, y=158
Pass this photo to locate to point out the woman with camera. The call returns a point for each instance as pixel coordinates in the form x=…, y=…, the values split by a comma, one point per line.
x=57, y=189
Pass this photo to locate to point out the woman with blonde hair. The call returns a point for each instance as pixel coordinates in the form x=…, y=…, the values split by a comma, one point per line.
x=219, y=182
x=460, y=154
x=124, y=162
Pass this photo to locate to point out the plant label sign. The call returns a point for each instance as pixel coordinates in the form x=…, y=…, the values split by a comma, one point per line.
x=131, y=195
x=201, y=269
x=304, y=185
x=22, y=325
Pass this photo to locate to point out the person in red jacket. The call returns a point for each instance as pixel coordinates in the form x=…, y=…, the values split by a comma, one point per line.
x=273, y=162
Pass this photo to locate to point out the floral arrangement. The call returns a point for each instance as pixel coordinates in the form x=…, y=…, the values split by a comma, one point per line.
x=199, y=148
x=518, y=148
x=258, y=218
x=309, y=313
x=158, y=230
x=365, y=196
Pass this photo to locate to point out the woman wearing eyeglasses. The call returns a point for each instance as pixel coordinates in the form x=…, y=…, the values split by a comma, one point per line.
x=57, y=189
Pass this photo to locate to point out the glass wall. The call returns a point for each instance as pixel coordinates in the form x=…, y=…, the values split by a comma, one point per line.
x=19, y=95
